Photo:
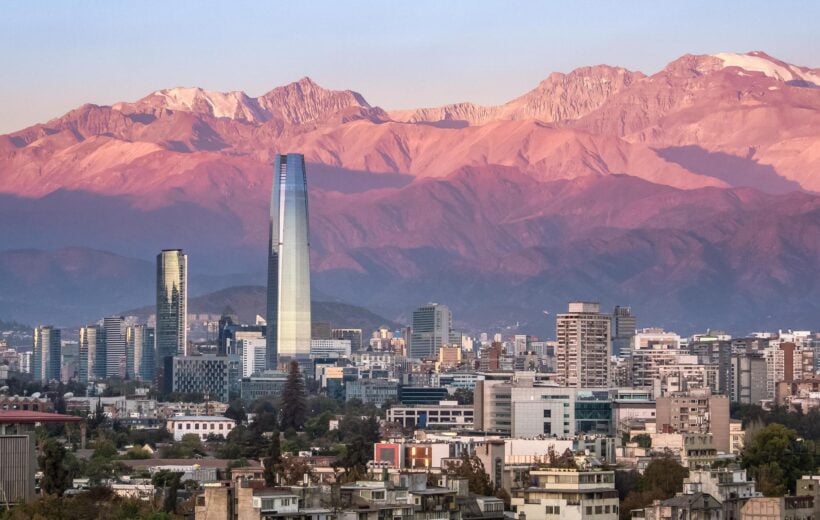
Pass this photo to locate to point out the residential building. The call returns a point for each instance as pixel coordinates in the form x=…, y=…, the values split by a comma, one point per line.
x=288, y=307
x=778, y=508
x=47, y=357
x=748, y=372
x=568, y=494
x=254, y=355
x=583, y=346
x=140, y=361
x=696, y=411
x=624, y=325
x=92, y=353
x=352, y=335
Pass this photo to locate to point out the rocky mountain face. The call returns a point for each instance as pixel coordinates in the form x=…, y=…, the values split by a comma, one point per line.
x=689, y=193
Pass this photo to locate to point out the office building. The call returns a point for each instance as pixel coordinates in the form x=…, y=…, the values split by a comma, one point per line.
x=372, y=391
x=115, y=356
x=352, y=335
x=748, y=373
x=47, y=358
x=171, y=312
x=262, y=385
x=213, y=376
x=624, y=326
x=583, y=346
x=92, y=353
x=445, y=414
x=288, y=312
x=431, y=329
x=327, y=348
x=139, y=345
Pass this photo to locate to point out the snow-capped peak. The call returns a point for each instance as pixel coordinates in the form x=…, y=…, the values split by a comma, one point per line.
x=235, y=105
x=771, y=67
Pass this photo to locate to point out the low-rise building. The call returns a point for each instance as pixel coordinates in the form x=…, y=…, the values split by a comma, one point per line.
x=445, y=414
x=200, y=425
x=567, y=494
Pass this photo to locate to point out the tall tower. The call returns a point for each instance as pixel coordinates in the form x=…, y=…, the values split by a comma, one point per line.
x=583, y=346
x=172, y=314
x=47, y=355
x=115, y=357
x=288, y=313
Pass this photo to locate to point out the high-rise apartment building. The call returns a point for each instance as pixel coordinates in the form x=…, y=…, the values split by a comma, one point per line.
x=583, y=346
x=92, y=353
x=288, y=312
x=139, y=346
x=651, y=350
x=431, y=329
x=47, y=356
x=748, y=372
x=624, y=326
x=115, y=357
x=172, y=319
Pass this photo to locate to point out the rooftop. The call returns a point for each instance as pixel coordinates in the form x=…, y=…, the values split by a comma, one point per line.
x=29, y=417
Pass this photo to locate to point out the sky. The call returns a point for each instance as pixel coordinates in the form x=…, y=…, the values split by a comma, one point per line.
x=57, y=55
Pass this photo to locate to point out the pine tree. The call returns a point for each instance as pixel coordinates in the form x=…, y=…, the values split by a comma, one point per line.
x=273, y=460
x=294, y=400
x=56, y=478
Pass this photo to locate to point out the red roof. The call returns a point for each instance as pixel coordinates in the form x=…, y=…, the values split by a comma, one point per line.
x=29, y=417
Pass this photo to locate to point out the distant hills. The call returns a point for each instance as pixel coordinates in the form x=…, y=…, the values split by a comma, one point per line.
x=249, y=300
x=690, y=194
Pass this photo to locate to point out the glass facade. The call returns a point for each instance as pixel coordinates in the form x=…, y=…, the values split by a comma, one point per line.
x=140, y=353
x=115, y=358
x=47, y=356
x=172, y=310
x=288, y=312
x=92, y=353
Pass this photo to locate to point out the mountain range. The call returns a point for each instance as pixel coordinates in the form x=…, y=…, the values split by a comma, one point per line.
x=689, y=194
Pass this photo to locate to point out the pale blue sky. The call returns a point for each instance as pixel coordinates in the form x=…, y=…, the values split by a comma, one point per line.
x=56, y=55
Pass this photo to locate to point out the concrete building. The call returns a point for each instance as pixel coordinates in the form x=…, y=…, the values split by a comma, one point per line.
x=778, y=508
x=624, y=326
x=567, y=494
x=372, y=391
x=353, y=335
x=254, y=355
x=697, y=411
x=328, y=348
x=262, y=385
x=651, y=350
x=583, y=346
x=748, y=372
x=445, y=414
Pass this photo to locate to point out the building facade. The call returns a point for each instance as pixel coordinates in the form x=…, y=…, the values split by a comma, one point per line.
x=288, y=307
x=47, y=360
x=584, y=346
x=171, y=314
x=430, y=330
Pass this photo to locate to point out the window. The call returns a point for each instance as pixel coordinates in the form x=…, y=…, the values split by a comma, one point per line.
x=547, y=428
x=599, y=510
x=606, y=509
x=589, y=510
x=547, y=413
x=196, y=426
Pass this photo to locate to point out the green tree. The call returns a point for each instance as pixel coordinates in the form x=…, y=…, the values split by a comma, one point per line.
x=294, y=405
x=464, y=396
x=665, y=475
x=236, y=411
x=471, y=468
x=56, y=478
x=170, y=483
x=644, y=440
x=273, y=459
x=776, y=458
x=189, y=447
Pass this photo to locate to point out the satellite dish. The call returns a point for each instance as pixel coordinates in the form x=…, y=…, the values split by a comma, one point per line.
x=4, y=388
x=68, y=394
x=36, y=395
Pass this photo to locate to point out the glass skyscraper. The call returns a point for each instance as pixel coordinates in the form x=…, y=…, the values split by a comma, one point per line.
x=47, y=356
x=115, y=360
x=172, y=314
x=288, y=313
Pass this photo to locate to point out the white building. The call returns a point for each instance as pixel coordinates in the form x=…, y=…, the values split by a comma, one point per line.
x=253, y=355
x=202, y=425
x=568, y=494
x=583, y=346
x=446, y=414
x=327, y=348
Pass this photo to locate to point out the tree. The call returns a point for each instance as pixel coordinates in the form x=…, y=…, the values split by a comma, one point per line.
x=293, y=470
x=56, y=478
x=776, y=458
x=170, y=482
x=273, y=459
x=664, y=474
x=471, y=468
x=189, y=447
x=464, y=396
x=236, y=411
x=294, y=405
x=644, y=440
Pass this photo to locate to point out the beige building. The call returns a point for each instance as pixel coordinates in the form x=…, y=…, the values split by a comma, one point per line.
x=567, y=494
x=696, y=411
x=778, y=508
x=583, y=346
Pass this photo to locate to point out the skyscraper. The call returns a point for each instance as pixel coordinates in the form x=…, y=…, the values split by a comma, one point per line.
x=583, y=346
x=624, y=326
x=172, y=319
x=47, y=355
x=92, y=353
x=431, y=329
x=115, y=361
x=288, y=313
x=139, y=344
